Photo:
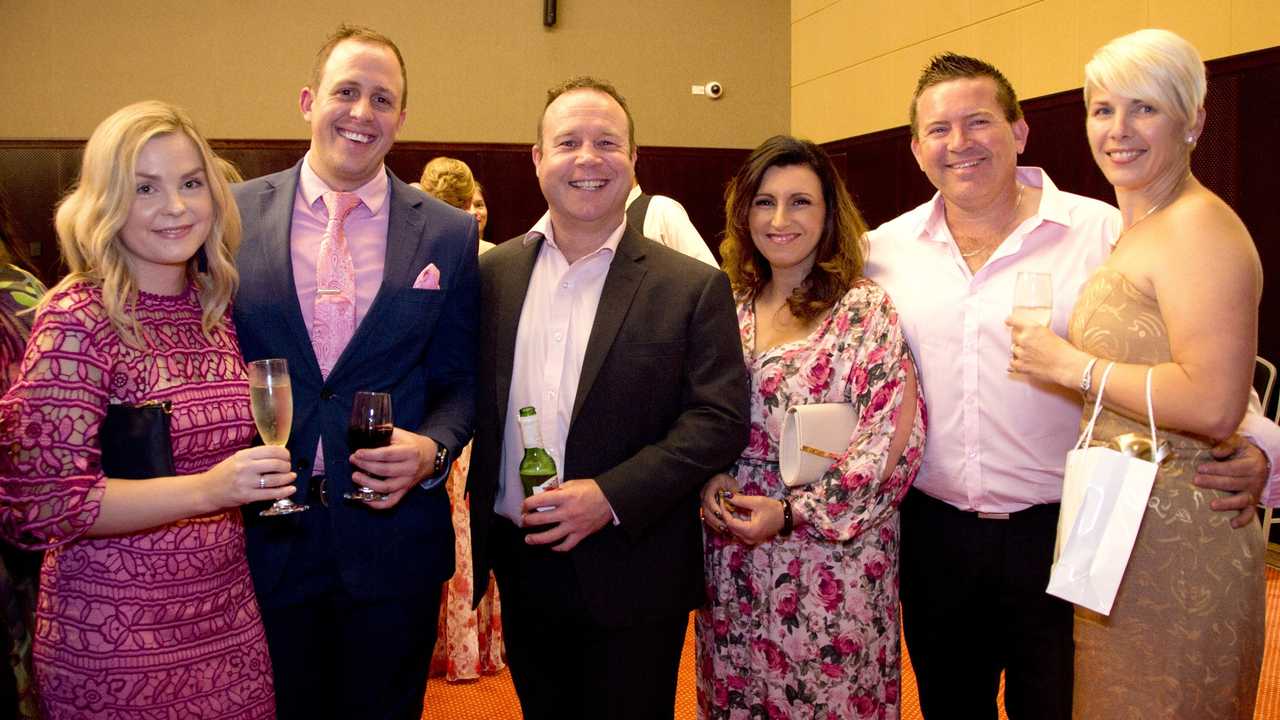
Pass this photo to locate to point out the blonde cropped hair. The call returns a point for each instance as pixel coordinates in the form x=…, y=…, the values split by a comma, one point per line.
x=89, y=218
x=1153, y=65
x=450, y=180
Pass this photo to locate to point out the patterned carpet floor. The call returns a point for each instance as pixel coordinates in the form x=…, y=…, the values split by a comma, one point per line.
x=493, y=698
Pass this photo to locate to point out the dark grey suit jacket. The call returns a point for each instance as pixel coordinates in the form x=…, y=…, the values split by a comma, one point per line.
x=418, y=345
x=661, y=406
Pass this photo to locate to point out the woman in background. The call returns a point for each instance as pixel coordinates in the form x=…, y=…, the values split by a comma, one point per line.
x=1179, y=296
x=802, y=583
x=469, y=640
x=146, y=607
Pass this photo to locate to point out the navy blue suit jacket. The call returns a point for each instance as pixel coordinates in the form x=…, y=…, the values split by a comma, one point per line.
x=418, y=345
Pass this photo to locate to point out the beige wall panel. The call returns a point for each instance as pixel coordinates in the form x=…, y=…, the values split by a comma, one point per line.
x=986, y=9
x=1255, y=24
x=845, y=34
x=1102, y=20
x=936, y=17
x=1207, y=25
x=998, y=41
x=1050, y=58
x=805, y=8
x=846, y=103
x=477, y=70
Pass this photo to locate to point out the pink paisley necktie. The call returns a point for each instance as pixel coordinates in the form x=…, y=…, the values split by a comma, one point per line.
x=334, y=321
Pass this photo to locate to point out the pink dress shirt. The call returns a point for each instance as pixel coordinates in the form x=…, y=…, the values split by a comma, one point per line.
x=997, y=442
x=366, y=231
x=551, y=342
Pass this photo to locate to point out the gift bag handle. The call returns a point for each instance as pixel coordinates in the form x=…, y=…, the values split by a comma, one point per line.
x=1086, y=437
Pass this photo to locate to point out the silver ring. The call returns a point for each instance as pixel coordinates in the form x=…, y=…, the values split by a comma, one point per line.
x=262, y=482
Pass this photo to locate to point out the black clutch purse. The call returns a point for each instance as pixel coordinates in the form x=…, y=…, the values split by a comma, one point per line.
x=135, y=441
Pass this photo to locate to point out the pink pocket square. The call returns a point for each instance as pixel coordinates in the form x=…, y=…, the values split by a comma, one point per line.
x=428, y=279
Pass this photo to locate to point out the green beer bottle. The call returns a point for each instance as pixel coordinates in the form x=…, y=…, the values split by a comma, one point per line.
x=537, y=468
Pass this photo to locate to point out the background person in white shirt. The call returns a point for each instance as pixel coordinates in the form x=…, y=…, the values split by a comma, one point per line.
x=663, y=219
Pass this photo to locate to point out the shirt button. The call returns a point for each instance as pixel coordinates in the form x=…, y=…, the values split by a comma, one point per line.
x=558, y=336
x=564, y=285
x=326, y=394
x=973, y=453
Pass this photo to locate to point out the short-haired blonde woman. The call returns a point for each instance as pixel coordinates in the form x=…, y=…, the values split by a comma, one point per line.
x=1179, y=297
x=146, y=607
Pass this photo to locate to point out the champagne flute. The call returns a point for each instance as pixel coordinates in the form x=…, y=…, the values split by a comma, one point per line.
x=271, y=399
x=1033, y=298
x=370, y=427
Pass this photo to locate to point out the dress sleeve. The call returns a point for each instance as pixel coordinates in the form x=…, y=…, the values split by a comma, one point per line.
x=51, y=483
x=851, y=498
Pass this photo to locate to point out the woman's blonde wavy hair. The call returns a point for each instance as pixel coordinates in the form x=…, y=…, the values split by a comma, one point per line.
x=90, y=216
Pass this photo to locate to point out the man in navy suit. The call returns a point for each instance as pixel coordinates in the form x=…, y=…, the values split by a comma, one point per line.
x=349, y=591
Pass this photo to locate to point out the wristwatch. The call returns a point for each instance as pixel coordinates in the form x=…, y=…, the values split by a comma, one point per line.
x=442, y=460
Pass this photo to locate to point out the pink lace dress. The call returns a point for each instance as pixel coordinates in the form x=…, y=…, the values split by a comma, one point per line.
x=155, y=624
x=806, y=626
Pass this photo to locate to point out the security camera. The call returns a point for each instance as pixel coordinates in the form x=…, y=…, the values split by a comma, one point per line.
x=714, y=89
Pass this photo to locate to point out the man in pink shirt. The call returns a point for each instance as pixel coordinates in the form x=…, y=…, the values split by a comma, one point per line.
x=629, y=351
x=978, y=526
x=362, y=284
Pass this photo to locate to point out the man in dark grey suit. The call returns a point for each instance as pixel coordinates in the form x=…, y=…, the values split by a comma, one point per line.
x=349, y=591
x=629, y=351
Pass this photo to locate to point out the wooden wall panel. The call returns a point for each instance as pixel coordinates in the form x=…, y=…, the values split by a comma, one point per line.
x=35, y=173
x=1233, y=158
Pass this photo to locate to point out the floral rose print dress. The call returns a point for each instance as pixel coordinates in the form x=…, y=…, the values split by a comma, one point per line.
x=807, y=626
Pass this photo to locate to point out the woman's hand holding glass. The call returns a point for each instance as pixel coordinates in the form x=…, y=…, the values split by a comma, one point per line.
x=254, y=474
x=1040, y=354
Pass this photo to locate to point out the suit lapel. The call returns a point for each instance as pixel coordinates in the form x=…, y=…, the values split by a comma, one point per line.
x=276, y=211
x=510, y=303
x=620, y=286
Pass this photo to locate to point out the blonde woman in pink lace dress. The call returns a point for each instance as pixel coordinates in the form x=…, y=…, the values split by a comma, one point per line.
x=146, y=609
x=802, y=583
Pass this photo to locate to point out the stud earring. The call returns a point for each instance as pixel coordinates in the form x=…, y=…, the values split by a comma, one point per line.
x=1191, y=139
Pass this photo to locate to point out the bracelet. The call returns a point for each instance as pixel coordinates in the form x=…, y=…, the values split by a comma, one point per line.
x=788, y=522
x=1086, y=380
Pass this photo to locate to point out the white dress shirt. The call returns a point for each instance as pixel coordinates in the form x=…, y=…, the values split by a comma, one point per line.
x=667, y=222
x=551, y=341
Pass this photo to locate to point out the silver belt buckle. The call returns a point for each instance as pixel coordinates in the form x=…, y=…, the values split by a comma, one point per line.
x=993, y=516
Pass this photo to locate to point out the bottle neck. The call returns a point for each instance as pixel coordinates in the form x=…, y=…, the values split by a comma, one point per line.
x=530, y=433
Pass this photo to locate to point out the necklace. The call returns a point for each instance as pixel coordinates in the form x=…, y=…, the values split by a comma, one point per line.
x=1172, y=193
x=999, y=235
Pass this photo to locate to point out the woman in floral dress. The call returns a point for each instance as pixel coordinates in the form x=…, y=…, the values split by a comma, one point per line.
x=146, y=608
x=802, y=583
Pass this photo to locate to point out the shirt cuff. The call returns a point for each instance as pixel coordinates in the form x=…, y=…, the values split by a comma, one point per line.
x=1265, y=434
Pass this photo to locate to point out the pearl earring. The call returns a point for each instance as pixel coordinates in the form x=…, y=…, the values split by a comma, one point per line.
x=1191, y=139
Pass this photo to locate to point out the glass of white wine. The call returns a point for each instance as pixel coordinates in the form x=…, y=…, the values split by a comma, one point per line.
x=1033, y=298
x=271, y=399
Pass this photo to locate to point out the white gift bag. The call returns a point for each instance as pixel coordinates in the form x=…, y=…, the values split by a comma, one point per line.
x=1104, y=496
x=813, y=437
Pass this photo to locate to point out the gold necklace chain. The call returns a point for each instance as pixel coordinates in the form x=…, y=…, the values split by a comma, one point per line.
x=999, y=235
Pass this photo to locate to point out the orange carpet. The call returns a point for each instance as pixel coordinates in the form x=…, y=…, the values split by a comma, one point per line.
x=493, y=698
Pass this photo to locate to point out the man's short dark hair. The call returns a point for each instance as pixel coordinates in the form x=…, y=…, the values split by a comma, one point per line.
x=364, y=35
x=586, y=82
x=952, y=66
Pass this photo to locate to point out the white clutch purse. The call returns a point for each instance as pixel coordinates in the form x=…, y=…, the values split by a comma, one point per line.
x=813, y=437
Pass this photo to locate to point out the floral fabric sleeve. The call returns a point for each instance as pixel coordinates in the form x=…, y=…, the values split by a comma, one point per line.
x=851, y=498
x=50, y=481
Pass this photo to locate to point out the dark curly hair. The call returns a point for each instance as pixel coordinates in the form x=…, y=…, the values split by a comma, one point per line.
x=838, y=263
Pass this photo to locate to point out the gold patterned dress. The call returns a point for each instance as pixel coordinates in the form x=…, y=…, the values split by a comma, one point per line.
x=1184, y=638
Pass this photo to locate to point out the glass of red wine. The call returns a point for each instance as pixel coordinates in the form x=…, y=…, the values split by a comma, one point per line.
x=370, y=427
